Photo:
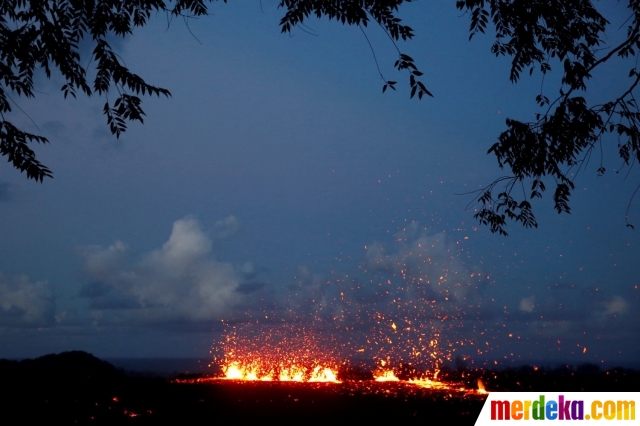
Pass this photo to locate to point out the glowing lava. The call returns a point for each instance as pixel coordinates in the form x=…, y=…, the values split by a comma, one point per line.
x=387, y=376
x=481, y=388
x=323, y=375
x=385, y=383
x=287, y=355
x=289, y=373
x=260, y=371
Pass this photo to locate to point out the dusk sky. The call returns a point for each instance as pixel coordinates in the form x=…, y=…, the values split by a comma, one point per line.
x=278, y=176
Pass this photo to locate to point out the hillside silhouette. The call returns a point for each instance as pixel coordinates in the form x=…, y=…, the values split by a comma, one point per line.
x=78, y=388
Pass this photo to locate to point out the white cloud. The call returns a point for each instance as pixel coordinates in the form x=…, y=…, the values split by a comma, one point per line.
x=180, y=281
x=187, y=247
x=100, y=263
x=24, y=303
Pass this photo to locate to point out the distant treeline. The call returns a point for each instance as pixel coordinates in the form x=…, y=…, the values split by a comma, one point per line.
x=581, y=378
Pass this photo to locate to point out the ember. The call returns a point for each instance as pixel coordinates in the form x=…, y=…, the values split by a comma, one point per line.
x=406, y=321
x=271, y=354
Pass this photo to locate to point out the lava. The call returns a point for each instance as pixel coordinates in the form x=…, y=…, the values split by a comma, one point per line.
x=481, y=388
x=285, y=354
x=385, y=383
x=387, y=376
x=260, y=371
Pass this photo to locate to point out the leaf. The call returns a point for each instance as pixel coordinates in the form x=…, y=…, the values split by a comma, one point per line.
x=424, y=89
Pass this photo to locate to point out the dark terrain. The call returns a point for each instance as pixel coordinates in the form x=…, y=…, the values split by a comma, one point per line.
x=77, y=388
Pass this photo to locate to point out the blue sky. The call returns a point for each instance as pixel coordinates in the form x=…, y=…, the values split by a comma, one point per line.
x=278, y=173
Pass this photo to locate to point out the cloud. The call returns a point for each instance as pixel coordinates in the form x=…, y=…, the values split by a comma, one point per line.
x=180, y=281
x=527, y=304
x=95, y=289
x=248, y=270
x=103, y=296
x=24, y=303
x=226, y=227
x=615, y=306
x=102, y=264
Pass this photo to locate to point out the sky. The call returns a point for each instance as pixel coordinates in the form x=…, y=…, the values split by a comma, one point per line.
x=279, y=184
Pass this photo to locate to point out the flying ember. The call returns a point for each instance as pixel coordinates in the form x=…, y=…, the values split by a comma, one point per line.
x=400, y=318
x=288, y=354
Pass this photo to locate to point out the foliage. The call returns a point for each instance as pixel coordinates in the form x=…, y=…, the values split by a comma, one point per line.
x=536, y=34
x=561, y=140
x=46, y=34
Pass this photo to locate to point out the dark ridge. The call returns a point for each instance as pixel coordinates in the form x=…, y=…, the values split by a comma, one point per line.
x=71, y=388
x=78, y=388
x=59, y=370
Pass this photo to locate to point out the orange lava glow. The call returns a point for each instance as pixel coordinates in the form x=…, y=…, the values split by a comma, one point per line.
x=289, y=355
x=384, y=383
x=387, y=376
x=481, y=388
x=433, y=384
x=261, y=371
x=283, y=373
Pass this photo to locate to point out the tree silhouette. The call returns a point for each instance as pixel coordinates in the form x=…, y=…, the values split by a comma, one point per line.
x=536, y=34
x=562, y=138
